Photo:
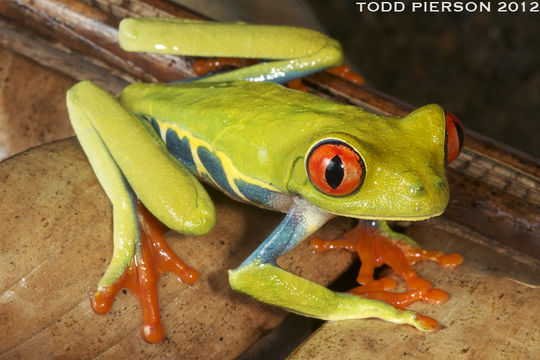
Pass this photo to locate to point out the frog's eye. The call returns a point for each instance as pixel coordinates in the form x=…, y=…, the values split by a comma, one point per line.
x=335, y=168
x=454, y=137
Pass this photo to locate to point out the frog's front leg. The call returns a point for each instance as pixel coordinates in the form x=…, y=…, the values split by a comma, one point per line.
x=376, y=244
x=260, y=277
x=129, y=167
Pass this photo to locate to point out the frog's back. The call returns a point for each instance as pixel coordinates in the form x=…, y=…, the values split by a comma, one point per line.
x=242, y=136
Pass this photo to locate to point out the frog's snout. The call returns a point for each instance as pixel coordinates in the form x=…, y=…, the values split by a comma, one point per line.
x=427, y=194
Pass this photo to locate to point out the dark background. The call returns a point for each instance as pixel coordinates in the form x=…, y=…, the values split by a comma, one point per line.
x=484, y=67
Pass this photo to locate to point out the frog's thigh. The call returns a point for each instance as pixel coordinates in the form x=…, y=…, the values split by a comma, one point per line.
x=299, y=52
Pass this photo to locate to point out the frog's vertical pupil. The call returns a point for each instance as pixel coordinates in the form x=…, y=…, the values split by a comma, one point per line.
x=334, y=172
x=461, y=134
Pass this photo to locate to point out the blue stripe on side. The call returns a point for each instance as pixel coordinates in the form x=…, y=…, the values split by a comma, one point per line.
x=213, y=165
x=256, y=193
x=154, y=124
x=180, y=149
x=151, y=121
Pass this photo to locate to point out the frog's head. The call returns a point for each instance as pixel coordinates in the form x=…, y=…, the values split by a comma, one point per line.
x=383, y=167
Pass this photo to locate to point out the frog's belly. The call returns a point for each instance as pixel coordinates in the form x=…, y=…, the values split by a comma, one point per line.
x=218, y=170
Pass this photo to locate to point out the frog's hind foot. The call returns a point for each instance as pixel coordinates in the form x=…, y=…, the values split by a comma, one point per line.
x=152, y=256
x=376, y=245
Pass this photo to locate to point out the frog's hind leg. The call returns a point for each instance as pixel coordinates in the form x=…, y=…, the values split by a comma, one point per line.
x=376, y=244
x=288, y=53
x=292, y=52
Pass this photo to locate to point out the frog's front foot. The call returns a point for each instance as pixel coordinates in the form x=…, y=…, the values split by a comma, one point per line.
x=151, y=257
x=376, y=245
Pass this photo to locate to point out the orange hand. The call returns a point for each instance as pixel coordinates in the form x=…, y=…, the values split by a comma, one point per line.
x=375, y=249
x=142, y=275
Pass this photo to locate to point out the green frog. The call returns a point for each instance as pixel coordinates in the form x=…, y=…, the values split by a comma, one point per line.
x=263, y=144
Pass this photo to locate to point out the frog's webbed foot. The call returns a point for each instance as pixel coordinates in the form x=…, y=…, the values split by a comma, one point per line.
x=151, y=257
x=376, y=245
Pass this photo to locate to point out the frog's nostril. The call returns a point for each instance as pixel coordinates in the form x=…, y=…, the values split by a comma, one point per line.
x=427, y=186
x=440, y=184
x=416, y=189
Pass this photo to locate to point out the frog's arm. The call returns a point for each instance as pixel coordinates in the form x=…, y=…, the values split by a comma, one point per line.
x=168, y=190
x=126, y=157
x=298, y=52
x=125, y=230
x=260, y=277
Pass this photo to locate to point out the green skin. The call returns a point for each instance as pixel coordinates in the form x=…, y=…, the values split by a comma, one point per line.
x=262, y=133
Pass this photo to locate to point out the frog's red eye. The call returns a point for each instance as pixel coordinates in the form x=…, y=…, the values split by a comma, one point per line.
x=454, y=137
x=335, y=168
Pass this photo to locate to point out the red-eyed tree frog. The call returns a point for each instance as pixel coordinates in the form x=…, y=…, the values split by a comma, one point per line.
x=270, y=146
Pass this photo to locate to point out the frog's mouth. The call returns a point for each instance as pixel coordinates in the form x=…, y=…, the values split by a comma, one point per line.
x=422, y=215
x=397, y=218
